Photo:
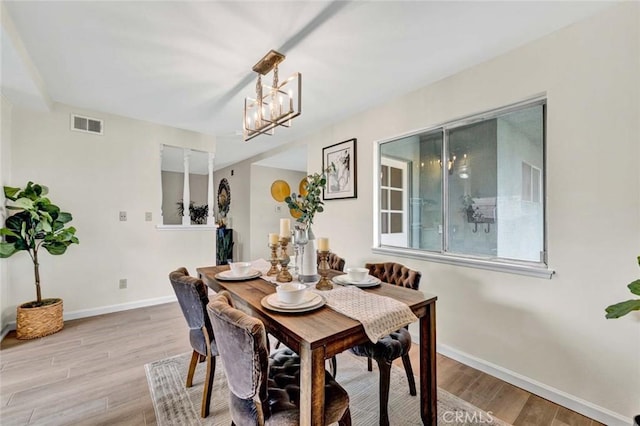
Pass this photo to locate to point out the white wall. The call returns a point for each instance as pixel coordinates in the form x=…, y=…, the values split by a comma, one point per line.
x=548, y=331
x=5, y=175
x=264, y=217
x=94, y=177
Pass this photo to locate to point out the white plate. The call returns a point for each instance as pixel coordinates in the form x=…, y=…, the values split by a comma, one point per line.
x=228, y=275
x=315, y=303
x=370, y=281
x=309, y=299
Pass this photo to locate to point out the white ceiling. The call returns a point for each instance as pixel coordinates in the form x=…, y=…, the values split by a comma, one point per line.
x=188, y=64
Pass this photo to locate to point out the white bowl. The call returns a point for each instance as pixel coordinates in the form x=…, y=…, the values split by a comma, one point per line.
x=240, y=269
x=357, y=274
x=291, y=292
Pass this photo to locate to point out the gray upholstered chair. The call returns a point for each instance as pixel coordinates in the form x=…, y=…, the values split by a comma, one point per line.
x=192, y=297
x=395, y=345
x=263, y=389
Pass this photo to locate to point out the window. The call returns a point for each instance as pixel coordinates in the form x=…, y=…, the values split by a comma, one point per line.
x=187, y=180
x=468, y=192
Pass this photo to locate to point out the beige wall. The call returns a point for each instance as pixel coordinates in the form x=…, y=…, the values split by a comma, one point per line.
x=549, y=333
x=264, y=216
x=5, y=175
x=95, y=177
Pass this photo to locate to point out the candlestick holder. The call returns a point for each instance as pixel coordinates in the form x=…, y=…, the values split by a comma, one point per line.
x=284, y=276
x=323, y=270
x=274, y=260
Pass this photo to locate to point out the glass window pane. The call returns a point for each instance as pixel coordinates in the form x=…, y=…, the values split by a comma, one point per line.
x=384, y=176
x=520, y=137
x=396, y=200
x=396, y=223
x=396, y=177
x=472, y=193
x=384, y=199
x=384, y=223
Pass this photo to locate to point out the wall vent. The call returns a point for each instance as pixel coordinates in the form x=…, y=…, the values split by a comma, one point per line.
x=80, y=123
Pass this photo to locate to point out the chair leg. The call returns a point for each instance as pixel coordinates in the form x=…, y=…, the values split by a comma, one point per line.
x=369, y=366
x=385, y=378
x=208, y=385
x=333, y=367
x=345, y=420
x=407, y=368
x=192, y=368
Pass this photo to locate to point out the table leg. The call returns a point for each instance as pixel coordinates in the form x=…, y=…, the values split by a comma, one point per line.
x=311, y=386
x=428, y=383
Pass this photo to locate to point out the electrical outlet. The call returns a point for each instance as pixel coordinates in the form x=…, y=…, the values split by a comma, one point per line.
x=123, y=216
x=278, y=209
x=123, y=283
x=148, y=216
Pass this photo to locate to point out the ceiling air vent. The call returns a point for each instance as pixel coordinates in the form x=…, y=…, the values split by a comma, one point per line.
x=86, y=124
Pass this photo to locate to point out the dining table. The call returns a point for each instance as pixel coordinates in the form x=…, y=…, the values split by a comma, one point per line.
x=322, y=333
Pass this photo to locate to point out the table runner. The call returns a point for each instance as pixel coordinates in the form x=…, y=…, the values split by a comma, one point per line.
x=379, y=315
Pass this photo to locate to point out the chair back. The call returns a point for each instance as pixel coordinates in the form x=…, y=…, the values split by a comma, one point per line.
x=335, y=262
x=242, y=343
x=192, y=298
x=395, y=273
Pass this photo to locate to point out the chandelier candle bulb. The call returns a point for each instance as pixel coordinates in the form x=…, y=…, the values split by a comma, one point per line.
x=323, y=244
x=273, y=238
x=285, y=228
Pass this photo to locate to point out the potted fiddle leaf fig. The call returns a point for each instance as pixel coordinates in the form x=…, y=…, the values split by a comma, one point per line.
x=623, y=308
x=37, y=224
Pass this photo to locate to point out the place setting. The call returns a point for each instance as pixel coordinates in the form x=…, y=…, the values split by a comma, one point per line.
x=240, y=271
x=293, y=298
x=357, y=277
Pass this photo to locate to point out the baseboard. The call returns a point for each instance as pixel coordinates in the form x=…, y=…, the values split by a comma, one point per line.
x=84, y=313
x=557, y=396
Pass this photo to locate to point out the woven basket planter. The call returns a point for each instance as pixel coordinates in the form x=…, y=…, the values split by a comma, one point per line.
x=39, y=322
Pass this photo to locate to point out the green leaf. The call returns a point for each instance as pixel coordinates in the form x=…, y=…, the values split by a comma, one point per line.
x=7, y=249
x=24, y=203
x=55, y=247
x=11, y=193
x=7, y=231
x=623, y=308
x=64, y=217
x=634, y=286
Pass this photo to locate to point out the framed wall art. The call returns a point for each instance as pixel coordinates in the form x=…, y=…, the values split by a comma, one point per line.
x=342, y=176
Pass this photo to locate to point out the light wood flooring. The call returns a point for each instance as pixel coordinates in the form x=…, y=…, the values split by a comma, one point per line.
x=92, y=373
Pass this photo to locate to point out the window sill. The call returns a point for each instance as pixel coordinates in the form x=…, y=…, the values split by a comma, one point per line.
x=491, y=265
x=186, y=227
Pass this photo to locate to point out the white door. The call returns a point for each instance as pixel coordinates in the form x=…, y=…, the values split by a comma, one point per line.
x=394, y=188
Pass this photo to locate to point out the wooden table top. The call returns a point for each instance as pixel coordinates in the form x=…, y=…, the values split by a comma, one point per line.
x=321, y=327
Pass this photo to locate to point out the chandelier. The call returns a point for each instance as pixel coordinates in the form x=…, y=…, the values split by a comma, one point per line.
x=274, y=105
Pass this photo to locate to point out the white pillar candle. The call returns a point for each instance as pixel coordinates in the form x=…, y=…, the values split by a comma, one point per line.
x=273, y=238
x=323, y=244
x=285, y=228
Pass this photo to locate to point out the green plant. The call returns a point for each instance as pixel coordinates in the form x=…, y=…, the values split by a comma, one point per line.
x=198, y=213
x=225, y=246
x=623, y=308
x=37, y=223
x=306, y=206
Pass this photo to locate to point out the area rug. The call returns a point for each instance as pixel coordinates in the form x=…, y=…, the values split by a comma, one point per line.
x=176, y=405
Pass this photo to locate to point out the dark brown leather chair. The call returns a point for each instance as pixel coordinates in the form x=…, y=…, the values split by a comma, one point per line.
x=193, y=298
x=335, y=262
x=264, y=389
x=395, y=345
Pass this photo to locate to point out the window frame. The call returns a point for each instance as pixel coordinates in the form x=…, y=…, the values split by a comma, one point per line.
x=539, y=269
